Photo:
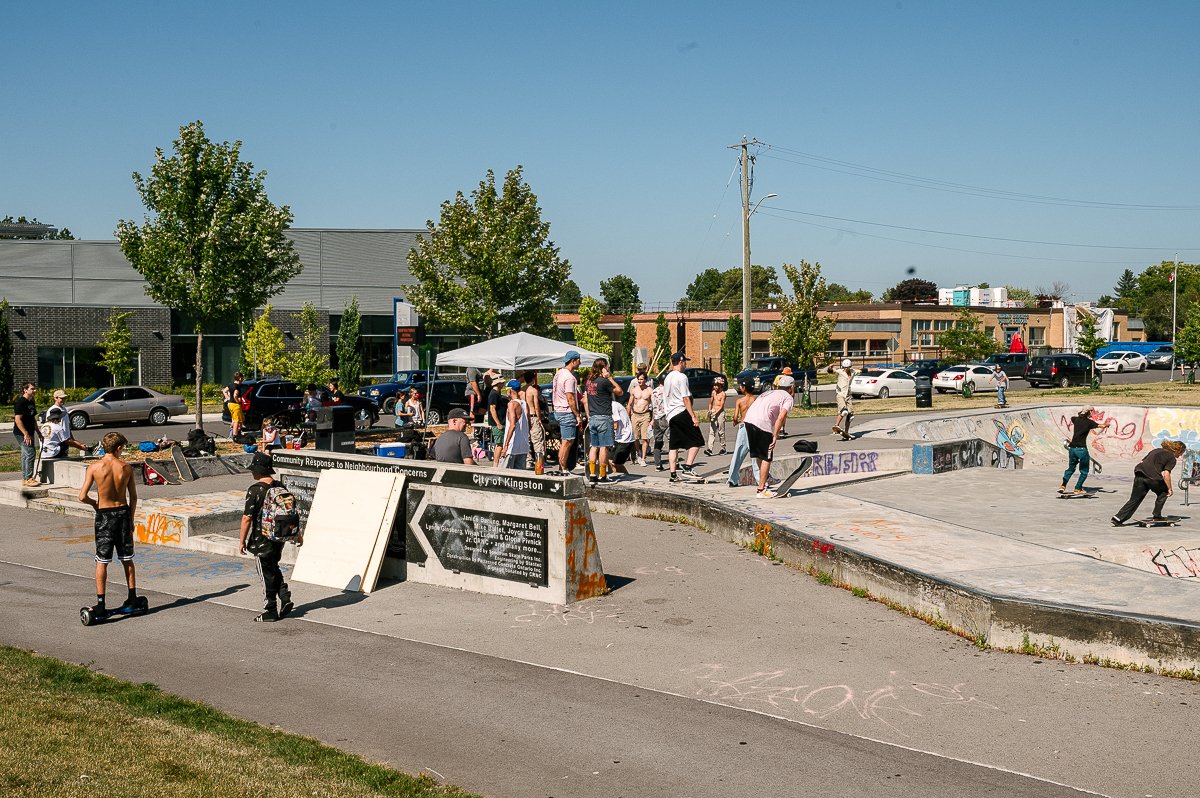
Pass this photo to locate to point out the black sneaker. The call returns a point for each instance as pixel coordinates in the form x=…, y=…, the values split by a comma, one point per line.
x=606, y=479
x=660, y=467
x=1116, y=521
x=269, y=615
x=285, y=608
x=674, y=477
x=708, y=451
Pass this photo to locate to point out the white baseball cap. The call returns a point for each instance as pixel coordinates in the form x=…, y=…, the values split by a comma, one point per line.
x=847, y=363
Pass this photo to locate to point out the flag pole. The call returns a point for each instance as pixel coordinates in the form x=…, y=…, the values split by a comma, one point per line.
x=1174, y=305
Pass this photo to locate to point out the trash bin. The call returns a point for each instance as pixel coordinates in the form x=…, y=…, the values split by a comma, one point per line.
x=335, y=429
x=924, y=392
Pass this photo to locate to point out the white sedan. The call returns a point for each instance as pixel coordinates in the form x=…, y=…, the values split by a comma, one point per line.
x=1122, y=361
x=980, y=378
x=883, y=383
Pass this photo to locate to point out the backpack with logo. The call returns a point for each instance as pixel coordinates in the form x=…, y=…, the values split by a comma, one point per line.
x=279, y=518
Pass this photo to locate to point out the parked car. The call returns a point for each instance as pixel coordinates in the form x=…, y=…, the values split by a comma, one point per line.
x=700, y=381
x=926, y=368
x=268, y=398
x=1161, y=358
x=1011, y=363
x=1061, y=370
x=1122, y=362
x=444, y=396
x=883, y=383
x=978, y=376
x=384, y=393
x=127, y=403
x=763, y=371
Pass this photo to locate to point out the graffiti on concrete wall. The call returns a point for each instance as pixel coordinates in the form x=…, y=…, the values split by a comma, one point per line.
x=1180, y=563
x=1124, y=438
x=942, y=458
x=1009, y=435
x=844, y=463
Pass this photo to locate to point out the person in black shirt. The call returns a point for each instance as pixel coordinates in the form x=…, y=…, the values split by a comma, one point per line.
x=1152, y=474
x=26, y=431
x=267, y=551
x=1081, y=424
x=334, y=392
x=497, y=411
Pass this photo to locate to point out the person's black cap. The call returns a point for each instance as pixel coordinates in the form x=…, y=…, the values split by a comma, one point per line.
x=261, y=464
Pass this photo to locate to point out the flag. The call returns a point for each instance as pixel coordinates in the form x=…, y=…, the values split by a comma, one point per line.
x=1171, y=279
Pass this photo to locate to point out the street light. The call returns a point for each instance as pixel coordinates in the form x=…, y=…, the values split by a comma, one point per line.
x=746, y=271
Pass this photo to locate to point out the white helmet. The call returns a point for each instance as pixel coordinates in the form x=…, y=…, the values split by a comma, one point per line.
x=847, y=363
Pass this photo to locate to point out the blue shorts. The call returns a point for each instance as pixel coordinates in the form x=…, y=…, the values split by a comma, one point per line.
x=566, y=425
x=600, y=432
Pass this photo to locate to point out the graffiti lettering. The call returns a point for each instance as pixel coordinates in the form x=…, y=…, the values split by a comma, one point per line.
x=159, y=529
x=844, y=463
x=1180, y=563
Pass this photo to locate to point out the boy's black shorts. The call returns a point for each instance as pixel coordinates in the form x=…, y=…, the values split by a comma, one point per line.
x=114, y=531
x=762, y=444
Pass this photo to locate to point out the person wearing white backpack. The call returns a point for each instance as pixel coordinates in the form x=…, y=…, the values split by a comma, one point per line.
x=278, y=598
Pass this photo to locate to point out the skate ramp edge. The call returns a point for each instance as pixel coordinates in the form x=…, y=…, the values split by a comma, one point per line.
x=1037, y=434
x=947, y=456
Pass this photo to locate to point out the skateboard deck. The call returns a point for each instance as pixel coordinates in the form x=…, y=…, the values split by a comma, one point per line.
x=1153, y=522
x=783, y=487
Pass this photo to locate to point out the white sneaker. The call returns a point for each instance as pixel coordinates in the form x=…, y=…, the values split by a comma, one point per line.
x=766, y=493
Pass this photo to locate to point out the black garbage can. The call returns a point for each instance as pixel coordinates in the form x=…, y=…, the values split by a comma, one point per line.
x=335, y=429
x=924, y=392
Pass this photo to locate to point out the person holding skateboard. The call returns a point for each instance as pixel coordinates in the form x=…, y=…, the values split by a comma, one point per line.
x=764, y=420
x=267, y=551
x=1152, y=474
x=845, y=402
x=1082, y=423
x=115, y=505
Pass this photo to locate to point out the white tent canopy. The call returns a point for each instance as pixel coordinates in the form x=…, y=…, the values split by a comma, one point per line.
x=516, y=352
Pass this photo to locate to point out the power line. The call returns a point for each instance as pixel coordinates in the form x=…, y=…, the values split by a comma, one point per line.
x=916, y=181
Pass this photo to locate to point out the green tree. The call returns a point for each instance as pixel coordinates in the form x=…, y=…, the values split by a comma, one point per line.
x=309, y=364
x=1154, y=295
x=37, y=231
x=569, y=296
x=1126, y=284
x=717, y=290
x=262, y=347
x=731, y=345
x=662, y=342
x=1088, y=340
x=588, y=334
x=116, y=347
x=1187, y=341
x=802, y=333
x=1023, y=296
x=628, y=342
x=912, y=290
x=349, y=355
x=620, y=294
x=214, y=249
x=6, y=370
x=836, y=292
x=488, y=266
x=967, y=340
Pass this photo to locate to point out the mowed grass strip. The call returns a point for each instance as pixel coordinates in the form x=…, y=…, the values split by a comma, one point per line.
x=67, y=731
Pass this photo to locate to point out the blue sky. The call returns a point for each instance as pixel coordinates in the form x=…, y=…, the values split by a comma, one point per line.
x=369, y=115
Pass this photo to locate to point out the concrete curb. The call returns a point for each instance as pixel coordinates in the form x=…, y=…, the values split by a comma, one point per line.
x=1084, y=633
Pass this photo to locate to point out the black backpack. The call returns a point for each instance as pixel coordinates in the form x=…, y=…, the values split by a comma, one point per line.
x=201, y=441
x=807, y=447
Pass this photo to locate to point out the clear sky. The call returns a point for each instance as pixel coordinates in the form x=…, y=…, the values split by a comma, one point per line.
x=891, y=125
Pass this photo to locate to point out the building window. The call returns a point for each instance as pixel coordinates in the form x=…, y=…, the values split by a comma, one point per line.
x=71, y=368
x=921, y=332
x=856, y=348
x=1037, y=336
x=941, y=325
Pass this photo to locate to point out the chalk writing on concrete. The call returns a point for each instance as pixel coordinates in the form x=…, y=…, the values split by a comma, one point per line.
x=775, y=693
x=558, y=615
x=881, y=529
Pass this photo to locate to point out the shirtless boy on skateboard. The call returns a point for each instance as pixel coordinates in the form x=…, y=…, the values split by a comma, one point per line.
x=115, y=504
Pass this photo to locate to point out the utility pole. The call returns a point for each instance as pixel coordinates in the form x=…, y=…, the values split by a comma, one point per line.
x=1174, y=306
x=746, y=309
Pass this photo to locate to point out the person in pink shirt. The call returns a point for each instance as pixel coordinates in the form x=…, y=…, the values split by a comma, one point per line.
x=763, y=421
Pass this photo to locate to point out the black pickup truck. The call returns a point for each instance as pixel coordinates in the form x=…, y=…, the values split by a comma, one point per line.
x=763, y=371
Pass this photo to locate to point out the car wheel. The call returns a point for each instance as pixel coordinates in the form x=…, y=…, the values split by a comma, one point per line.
x=1142, y=367
x=1033, y=384
x=434, y=418
x=1120, y=367
x=79, y=420
x=884, y=393
x=1064, y=383
x=159, y=416
x=389, y=405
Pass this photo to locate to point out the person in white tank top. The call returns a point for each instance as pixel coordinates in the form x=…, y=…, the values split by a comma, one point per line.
x=515, y=448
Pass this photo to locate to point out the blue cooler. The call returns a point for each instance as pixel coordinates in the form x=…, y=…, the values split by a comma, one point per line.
x=391, y=449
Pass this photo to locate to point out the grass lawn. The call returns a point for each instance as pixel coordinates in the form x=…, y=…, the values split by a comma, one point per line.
x=68, y=731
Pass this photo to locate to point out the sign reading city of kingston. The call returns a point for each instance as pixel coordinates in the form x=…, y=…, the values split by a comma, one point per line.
x=510, y=547
x=505, y=480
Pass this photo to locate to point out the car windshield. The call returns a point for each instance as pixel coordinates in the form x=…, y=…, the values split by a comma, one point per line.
x=94, y=395
x=770, y=363
x=870, y=374
x=956, y=368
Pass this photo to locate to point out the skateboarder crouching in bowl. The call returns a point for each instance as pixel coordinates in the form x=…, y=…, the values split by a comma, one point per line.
x=1152, y=474
x=115, y=505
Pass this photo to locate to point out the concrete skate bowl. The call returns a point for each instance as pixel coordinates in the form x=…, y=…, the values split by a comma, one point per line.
x=1036, y=434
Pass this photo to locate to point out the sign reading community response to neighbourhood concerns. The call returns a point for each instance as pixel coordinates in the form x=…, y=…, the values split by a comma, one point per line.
x=483, y=543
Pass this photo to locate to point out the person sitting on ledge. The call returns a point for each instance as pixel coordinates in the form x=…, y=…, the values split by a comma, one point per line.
x=56, y=440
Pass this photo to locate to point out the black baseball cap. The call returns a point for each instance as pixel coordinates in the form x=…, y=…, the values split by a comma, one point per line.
x=679, y=357
x=260, y=463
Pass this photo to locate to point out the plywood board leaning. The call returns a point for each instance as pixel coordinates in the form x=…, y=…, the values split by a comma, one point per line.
x=347, y=529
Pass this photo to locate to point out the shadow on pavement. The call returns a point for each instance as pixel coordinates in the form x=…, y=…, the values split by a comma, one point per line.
x=183, y=601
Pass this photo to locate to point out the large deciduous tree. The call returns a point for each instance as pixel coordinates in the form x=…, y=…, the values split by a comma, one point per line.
x=1187, y=341
x=836, y=292
x=967, y=339
x=488, y=265
x=912, y=290
x=802, y=333
x=1152, y=298
x=620, y=295
x=588, y=334
x=1023, y=296
x=212, y=246
x=722, y=290
x=569, y=296
x=116, y=347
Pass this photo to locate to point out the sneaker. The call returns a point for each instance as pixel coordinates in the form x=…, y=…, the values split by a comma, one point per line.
x=30, y=483
x=766, y=493
x=723, y=451
x=592, y=479
x=607, y=478
x=732, y=485
x=660, y=467
x=269, y=615
x=1116, y=521
x=674, y=477
x=285, y=608
x=1079, y=492
x=641, y=460
x=690, y=474
x=1062, y=489
x=707, y=451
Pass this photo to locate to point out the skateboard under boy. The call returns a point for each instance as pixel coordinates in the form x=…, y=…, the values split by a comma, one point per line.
x=1070, y=495
x=1153, y=522
x=90, y=615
